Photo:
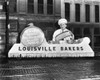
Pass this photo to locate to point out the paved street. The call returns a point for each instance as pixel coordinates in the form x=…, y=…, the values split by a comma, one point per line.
x=50, y=69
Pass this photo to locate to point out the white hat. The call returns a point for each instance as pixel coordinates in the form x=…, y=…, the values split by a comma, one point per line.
x=62, y=21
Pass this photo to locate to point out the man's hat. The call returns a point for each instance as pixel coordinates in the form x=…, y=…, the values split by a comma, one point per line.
x=62, y=20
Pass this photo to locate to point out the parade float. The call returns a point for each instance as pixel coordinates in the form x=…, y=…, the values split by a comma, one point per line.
x=33, y=44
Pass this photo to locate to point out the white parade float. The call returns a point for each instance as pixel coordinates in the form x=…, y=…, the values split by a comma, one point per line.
x=34, y=45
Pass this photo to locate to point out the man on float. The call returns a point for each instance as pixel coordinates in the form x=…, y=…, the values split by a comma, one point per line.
x=63, y=34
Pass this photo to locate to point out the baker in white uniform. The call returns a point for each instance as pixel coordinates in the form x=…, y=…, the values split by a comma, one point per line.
x=63, y=34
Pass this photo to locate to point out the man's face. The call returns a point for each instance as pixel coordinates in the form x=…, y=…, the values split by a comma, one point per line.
x=63, y=26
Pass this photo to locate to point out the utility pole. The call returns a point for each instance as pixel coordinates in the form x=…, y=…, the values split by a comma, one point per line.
x=6, y=28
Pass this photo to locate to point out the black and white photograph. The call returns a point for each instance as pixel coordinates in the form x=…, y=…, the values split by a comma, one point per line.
x=49, y=39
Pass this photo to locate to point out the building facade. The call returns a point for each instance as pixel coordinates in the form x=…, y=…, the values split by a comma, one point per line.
x=43, y=13
x=83, y=18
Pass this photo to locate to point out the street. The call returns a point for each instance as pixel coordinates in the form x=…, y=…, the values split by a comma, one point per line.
x=50, y=69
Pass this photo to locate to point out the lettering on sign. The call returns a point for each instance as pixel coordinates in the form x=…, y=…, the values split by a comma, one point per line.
x=37, y=49
x=71, y=48
x=50, y=48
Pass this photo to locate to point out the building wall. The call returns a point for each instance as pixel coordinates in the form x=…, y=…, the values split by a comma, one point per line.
x=20, y=17
x=45, y=21
x=82, y=9
x=83, y=28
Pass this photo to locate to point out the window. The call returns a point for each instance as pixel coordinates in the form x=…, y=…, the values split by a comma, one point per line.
x=40, y=6
x=96, y=13
x=87, y=31
x=30, y=6
x=96, y=31
x=49, y=7
x=12, y=6
x=2, y=8
x=97, y=41
x=2, y=24
x=13, y=25
x=67, y=11
x=77, y=32
x=87, y=12
x=97, y=37
x=77, y=12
